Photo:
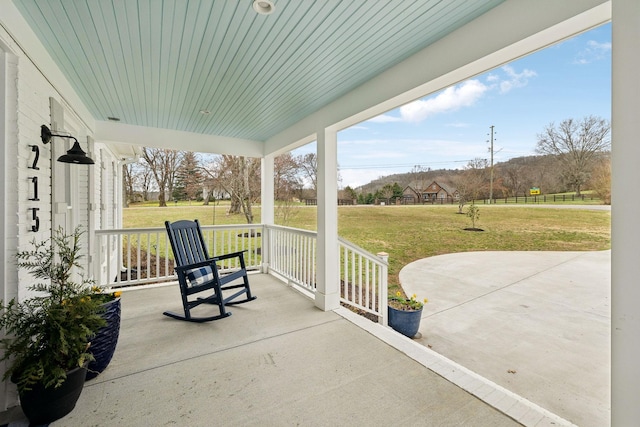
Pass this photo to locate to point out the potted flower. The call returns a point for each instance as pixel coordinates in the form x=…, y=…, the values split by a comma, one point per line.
x=103, y=344
x=47, y=335
x=404, y=313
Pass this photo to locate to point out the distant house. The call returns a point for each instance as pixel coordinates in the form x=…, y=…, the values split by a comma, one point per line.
x=433, y=193
x=439, y=193
x=410, y=196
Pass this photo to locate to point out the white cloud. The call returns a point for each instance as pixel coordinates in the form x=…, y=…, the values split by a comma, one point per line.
x=515, y=79
x=599, y=47
x=451, y=99
x=594, y=51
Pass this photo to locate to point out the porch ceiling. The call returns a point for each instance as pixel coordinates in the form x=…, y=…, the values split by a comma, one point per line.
x=160, y=64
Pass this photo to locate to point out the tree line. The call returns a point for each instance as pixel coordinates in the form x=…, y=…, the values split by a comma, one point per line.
x=571, y=155
x=183, y=175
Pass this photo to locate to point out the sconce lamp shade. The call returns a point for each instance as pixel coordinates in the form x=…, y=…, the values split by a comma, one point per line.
x=75, y=155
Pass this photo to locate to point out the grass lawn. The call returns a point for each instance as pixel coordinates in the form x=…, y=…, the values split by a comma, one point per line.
x=409, y=233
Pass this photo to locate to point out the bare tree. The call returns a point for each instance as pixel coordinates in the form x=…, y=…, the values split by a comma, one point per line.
x=387, y=192
x=521, y=173
x=287, y=185
x=601, y=180
x=137, y=179
x=128, y=183
x=577, y=144
x=212, y=188
x=163, y=164
x=240, y=177
x=144, y=178
x=286, y=180
x=512, y=178
x=419, y=177
x=472, y=182
x=308, y=164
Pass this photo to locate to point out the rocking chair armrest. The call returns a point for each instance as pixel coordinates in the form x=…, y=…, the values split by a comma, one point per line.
x=207, y=262
x=230, y=255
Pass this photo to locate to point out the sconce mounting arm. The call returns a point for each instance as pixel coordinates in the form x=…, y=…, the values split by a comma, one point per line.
x=74, y=155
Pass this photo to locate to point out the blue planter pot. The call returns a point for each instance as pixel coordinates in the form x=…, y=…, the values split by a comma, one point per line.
x=405, y=322
x=103, y=345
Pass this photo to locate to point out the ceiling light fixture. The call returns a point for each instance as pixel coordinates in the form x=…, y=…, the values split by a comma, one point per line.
x=263, y=7
x=74, y=155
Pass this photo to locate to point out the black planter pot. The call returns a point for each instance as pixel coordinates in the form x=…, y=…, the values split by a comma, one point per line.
x=103, y=345
x=45, y=405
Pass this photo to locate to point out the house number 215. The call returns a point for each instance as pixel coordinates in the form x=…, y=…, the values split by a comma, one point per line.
x=34, y=181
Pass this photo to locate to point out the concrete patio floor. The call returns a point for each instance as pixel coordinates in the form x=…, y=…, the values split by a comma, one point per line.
x=536, y=323
x=278, y=361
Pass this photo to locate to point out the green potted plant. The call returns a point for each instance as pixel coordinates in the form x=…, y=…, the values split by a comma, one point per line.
x=48, y=334
x=404, y=313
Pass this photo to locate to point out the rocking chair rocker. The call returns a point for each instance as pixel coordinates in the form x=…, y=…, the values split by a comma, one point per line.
x=197, y=272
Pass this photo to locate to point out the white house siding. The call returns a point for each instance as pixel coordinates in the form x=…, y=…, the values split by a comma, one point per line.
x=24, y=107
x=108, y=209
x=24, y=111
x=32, y=112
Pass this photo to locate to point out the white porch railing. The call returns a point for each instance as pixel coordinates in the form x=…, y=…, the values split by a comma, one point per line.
x=363, y=281
x=136, y=256
x=292, y=255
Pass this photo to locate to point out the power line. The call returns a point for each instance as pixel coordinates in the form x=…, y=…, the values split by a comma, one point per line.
x=401, y=165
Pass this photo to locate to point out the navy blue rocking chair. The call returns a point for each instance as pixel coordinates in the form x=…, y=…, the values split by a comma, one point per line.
x=197, y=272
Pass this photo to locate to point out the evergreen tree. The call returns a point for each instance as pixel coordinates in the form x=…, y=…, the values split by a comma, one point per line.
x=189, y=178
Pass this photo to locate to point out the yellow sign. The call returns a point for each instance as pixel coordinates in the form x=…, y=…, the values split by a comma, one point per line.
x=534, y=191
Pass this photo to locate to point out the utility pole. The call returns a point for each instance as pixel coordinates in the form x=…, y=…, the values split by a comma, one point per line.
x=491, y=168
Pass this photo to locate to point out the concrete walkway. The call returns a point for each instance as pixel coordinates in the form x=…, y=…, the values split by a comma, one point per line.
x=535, y=323
x=277, y=361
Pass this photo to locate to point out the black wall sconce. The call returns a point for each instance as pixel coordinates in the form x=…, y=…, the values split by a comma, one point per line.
x=74, y=155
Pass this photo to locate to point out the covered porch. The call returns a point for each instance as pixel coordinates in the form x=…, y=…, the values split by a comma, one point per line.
x=282, y=334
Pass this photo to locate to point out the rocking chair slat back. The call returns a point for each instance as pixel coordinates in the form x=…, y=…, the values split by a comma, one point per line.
x=187, y=242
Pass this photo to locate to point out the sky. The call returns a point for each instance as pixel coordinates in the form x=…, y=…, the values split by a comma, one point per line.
x=450, y=127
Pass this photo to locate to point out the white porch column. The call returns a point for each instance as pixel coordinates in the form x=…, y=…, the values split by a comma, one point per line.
x=267, y=206
x=327, y=288
x=267, y=192
x=11, y=214
x=625, y=233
